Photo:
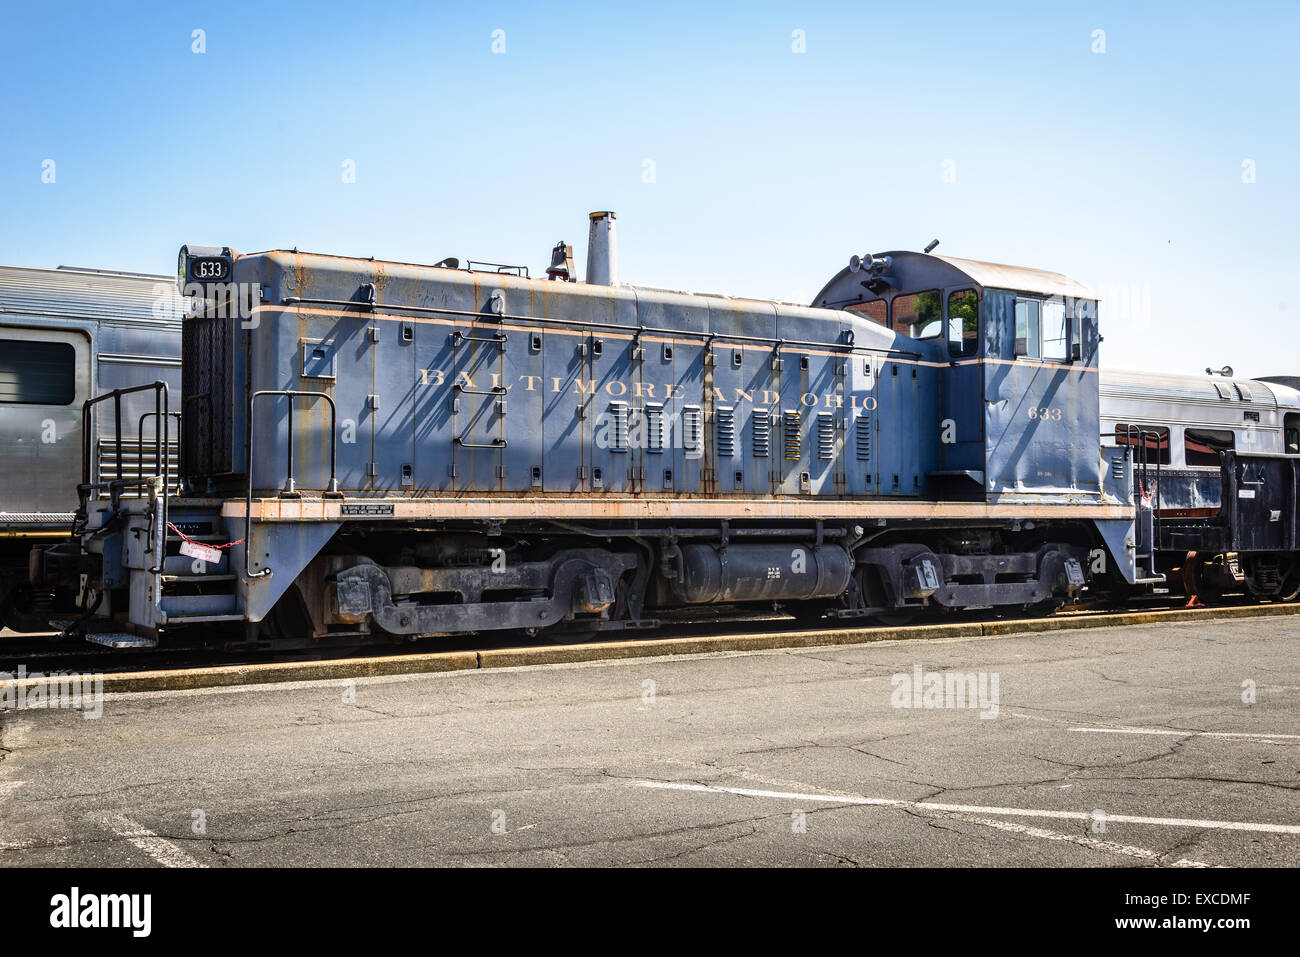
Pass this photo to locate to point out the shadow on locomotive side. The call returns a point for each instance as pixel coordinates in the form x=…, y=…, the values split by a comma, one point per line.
x=377, y=450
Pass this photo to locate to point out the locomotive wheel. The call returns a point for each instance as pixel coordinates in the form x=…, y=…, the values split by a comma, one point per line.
x=15, y=610
x=1290, y=589
x=897, y=618
x=1043, y=609
x=809, y=613
x=1115, y=592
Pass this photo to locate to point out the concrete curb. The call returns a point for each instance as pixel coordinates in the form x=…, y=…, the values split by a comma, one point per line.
x=431, y=662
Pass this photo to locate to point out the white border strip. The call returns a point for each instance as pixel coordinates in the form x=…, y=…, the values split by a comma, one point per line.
x=976, y=809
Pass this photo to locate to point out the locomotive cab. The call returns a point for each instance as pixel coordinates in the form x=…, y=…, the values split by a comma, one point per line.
x=1014, y=357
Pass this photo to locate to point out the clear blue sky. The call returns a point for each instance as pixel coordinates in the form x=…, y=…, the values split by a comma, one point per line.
x=1122, y=169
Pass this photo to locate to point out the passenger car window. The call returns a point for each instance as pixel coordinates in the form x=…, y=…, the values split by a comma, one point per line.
x=963, y=322
x=37, y=373
x=1027, y=328
x=1150, y=443
x=1202, y=446
x=918, y=314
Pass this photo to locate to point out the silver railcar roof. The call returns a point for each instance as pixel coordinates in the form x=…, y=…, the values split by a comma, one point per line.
x=136, y=299
x=1124, y=384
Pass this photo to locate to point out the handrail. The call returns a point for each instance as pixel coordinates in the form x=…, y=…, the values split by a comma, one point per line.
x=162, y=410
x=394, y=309
x=497, y=339
x=139, y=433
x=290, y=487
x=1143, y=446
x=495, y=390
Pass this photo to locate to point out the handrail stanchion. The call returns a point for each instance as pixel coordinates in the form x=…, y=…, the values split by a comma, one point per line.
x=162, y=409
x=290, y=486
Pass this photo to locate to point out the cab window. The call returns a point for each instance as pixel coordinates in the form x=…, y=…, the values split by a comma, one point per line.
x=1202, y=446
x=1056, y=332
x=918, y=314
x=1027, y=319
x=1082, y=314
x=876, y=309
x=1293, y=441
x=963, y=322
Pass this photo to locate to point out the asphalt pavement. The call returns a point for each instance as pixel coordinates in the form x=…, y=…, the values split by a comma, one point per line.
x=1159, y=745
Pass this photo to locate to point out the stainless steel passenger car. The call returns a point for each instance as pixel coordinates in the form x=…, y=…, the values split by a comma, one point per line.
x=1217, y=451
x=1189, y=420
x=68, y=334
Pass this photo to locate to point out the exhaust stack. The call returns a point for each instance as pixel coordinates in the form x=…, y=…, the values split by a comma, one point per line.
x=602, y=250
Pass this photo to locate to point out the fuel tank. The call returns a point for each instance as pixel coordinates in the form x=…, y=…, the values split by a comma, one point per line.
x=711, y=573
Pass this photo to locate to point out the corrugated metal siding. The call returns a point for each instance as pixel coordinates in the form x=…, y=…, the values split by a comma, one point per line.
x=1175, y=388
x=139, y=301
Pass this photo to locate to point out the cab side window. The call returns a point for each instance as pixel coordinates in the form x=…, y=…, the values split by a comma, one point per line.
x=1045, y=330
x=963, y=322
x=1027, y=323
x=1056, y=332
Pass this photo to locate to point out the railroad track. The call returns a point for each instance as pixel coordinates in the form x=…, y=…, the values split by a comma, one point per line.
x=50, y=653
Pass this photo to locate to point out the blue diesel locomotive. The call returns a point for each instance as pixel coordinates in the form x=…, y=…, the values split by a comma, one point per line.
x=377, y=449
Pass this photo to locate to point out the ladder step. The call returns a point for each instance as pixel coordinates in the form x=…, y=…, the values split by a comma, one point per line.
x=121, y=640
x=197, y=619
x=198, y=578
x=181, y=605
x=183, y=566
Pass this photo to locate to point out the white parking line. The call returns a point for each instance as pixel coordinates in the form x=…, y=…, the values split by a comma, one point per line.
x=1127, y=850
x=1191, y=734
x=858, y=799
x=163, y=851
